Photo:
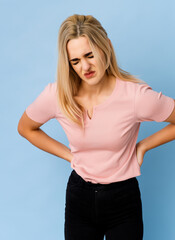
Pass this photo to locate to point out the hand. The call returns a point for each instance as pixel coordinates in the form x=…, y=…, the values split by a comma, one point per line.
x=72, y=157
x=140, y=152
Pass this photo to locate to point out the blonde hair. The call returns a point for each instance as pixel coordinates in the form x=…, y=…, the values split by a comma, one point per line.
x=68, y=81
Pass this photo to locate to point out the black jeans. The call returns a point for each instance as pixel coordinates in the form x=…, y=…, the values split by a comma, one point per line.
x=93, y=211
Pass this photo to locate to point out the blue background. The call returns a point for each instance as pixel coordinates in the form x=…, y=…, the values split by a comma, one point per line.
x=33, y=182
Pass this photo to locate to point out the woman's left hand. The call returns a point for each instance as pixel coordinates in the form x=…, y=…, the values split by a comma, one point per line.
x=140, y=152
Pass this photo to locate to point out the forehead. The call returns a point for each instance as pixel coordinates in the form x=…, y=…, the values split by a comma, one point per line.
x=78, y=47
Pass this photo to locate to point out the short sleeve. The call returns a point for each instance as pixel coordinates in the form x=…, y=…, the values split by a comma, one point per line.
x=43, y=108
x=151, y=105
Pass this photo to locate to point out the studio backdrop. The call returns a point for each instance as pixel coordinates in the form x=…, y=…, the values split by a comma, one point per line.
x=33, y=182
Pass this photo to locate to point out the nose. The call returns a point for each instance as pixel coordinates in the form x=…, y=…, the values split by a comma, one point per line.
x=85, y=65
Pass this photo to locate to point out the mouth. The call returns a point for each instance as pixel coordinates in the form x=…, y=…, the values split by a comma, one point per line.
x=89, y=74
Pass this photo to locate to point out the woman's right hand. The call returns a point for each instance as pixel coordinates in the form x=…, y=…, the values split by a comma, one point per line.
x=140, y=152
x=72, y=158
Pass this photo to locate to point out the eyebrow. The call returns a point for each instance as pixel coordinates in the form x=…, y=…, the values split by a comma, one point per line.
x=76, y=59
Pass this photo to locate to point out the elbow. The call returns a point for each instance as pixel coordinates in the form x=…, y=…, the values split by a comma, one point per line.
x=27, y=125
x=20, y=130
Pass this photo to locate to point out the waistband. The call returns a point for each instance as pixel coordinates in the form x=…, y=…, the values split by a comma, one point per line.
x=118, y=184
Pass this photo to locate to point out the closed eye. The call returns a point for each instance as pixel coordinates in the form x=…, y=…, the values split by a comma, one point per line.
x=74, y=63
x=87, y=57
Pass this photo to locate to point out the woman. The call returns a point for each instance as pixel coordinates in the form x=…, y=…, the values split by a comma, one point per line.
x=100, y=107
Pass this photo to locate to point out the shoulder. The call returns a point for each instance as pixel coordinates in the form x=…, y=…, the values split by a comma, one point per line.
x=50, y=90
x=51, y=87
x=131, y=88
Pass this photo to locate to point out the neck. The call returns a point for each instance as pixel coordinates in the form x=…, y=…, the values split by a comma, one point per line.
x=102, y=87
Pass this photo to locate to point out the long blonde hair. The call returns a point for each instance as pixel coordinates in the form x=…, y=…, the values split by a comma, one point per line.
x=68, y=81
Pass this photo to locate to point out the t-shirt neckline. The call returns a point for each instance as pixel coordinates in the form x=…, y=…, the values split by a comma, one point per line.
x=104, y=103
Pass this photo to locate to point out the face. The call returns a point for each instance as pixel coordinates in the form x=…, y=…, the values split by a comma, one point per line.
x=83, y=61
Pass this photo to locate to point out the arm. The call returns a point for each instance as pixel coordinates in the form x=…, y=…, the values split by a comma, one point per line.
x=163, y=136
x=30, y=130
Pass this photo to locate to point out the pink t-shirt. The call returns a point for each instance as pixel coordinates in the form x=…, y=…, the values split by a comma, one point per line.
x=106, y=153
